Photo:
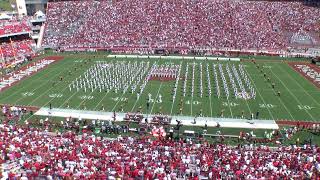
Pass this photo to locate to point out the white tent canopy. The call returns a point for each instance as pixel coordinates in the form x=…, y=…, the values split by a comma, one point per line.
x=39, y=14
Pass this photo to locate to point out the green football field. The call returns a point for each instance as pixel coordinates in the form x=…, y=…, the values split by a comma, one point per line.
x=299, y=99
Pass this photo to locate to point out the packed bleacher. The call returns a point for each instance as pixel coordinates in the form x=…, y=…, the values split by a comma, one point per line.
x=177, y=24
x=17, y=48
x=30, y=152
x=15, y=41
x=35, y=150
x=9, y=27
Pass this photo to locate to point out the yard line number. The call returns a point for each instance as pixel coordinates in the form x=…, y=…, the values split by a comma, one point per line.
x=27, y=94
x=305, y=107
x=193, y=102
x=230, y=104
x=55, y=95
x=267, y=105
x=122, y=99
x=84, y=97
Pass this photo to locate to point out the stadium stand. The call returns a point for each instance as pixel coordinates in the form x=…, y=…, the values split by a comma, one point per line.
x=17, y=48
x=10, y=27
x=15, y=41
x=14, y=28
x=178, y=24
x=33, y=152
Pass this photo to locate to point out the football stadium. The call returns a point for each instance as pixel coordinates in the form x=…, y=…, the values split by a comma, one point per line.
x=188, y=89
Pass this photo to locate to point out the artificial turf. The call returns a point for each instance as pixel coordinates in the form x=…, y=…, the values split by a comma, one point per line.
x=299, y=99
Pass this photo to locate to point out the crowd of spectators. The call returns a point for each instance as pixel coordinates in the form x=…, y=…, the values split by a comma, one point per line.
x=9, y=27
x=180, y=24
x=36, y=150
x=32, y=152
x=16, y=48
x=15, y=42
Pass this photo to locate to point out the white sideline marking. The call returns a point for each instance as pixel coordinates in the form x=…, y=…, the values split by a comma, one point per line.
x=186, y=120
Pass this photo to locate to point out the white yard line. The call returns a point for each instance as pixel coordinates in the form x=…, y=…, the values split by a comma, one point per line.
x=215, y=76
x=42, y=94
x=119, y=100
x=230, y=108
x=291, y=94
x=229, y=96
x=211, y=89
x=239, y=88
x=211, y=109
x=154, y=102
x=101, y=99
x=192, y=87
x=30, y=84
x=67, y=98
x=135, y=103
x=52, y=100
x=260, y=93
x=79, y=106
x=303, y=90
x=184, y=85
x=156, y=96
x=172, y=104
x=248, y=106
x=137, y=99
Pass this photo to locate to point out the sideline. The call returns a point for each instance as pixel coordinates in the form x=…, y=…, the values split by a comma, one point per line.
x=186, y=120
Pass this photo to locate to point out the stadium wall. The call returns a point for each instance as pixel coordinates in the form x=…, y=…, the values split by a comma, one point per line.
x=185, y=51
